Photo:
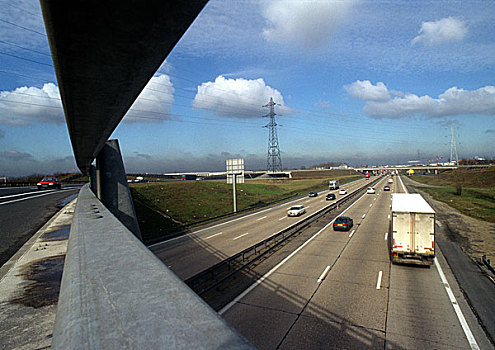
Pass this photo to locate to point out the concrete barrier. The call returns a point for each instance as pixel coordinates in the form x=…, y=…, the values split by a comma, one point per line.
x=116, y=294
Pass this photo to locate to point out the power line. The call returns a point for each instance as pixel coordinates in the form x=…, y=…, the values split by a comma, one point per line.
x=19, y=26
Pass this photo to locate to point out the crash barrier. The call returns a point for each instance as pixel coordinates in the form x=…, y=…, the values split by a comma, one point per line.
x=116, y=294
x=487, y=263
x=216, y=275
x=182, y=229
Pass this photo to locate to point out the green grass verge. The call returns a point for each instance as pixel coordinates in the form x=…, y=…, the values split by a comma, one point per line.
x=185, y=202
x=476, y=203
x=472, y=178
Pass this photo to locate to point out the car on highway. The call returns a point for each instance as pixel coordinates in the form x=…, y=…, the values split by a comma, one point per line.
x=386, y=188
x=390, y=181
x=49, y=182
x=343, y=191
x=330, y=197
x=370, y=190
x=313, y=194
x=296, y=210
x=343, y=223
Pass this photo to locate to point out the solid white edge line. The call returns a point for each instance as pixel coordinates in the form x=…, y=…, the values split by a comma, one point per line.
x=323, y=274
x=24, y=194
x=216, y=234
x=40, y=195
x=265, y=276
x=240, y=236
x=386, y=235
x=261, y=218
x=379, y=281
x=230, y=221
x=457, y=309
x=350, y=234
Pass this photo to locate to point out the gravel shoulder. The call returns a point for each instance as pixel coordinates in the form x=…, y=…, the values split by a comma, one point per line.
x=475, y=237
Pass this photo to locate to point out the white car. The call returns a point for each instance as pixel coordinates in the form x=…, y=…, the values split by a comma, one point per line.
x=370, y=190
x=296, y=210
x=390, y=181
x=343, y=191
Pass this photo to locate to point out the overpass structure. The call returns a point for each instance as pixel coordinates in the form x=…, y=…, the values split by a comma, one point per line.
x=115, y=293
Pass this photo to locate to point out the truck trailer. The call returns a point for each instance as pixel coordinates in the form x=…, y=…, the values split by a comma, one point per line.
x=412, y=227
x=333, y=184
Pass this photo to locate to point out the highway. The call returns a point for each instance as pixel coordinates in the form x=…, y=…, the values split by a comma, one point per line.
x=23, y=210
x=339, y=290
x=207, y=246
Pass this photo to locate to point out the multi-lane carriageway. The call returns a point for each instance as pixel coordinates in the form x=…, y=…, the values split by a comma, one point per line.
x=338, y=289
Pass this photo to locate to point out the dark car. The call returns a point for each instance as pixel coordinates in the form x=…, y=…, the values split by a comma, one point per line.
x=313, y=194
x=342, y=223
x=49, y=182
x=386, y=188
x=330, y=197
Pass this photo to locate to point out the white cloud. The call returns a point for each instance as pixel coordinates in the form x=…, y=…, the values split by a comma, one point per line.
x=442, y=31
x=452, y=102
x=154, y=103
x=309, y=24
x=365, y=90
x=27, y=105
x=14, y=155
x=238, y=98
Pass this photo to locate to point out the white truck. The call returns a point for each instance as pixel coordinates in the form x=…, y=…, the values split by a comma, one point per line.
x=333, y=184
x=412, y=227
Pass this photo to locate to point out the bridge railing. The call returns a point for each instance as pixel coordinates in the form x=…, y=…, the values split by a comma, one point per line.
x=116, y=294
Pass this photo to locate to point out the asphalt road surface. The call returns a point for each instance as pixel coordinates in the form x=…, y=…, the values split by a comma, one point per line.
x=339, y=290
x=187, y=255
x=23, y=210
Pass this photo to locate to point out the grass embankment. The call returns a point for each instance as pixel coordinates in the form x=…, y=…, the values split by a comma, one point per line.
x=185, y=202
x=477, y=197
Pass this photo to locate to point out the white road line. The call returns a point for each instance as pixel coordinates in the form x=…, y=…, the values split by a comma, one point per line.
x=460, y=316
x=309, y=200
x=388, y=216
x=374, y=199
x=264, y=277
x=350, y=234
x=40, y=195
x=439, y=223
x=371, y=205
x=379, y=282
x=282, y=218
x=216, y=234
x=323, y=274
x=261, y=218
x=23, y=194
x=386, y=235
x=307, y=206
x=364, y=215
x=241, y=236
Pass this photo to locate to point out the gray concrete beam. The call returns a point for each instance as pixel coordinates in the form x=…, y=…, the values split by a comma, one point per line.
x=104, y=53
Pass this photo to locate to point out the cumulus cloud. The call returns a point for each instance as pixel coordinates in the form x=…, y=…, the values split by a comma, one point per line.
x=14, y=155
x=452, y=102
x=26, y=105
x=365, y=90
x=442, y=31
x=154, y=103
x=238, y=98
x=309, y=24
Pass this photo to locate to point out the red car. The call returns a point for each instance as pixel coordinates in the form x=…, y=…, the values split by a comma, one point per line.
x=49, y=182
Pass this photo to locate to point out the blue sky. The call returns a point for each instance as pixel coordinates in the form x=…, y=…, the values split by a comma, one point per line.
x=364, y=82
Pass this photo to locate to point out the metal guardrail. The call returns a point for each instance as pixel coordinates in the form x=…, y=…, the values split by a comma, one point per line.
x=221, y=272
x=487, y=263
x=116, y=294
x=179, y=230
